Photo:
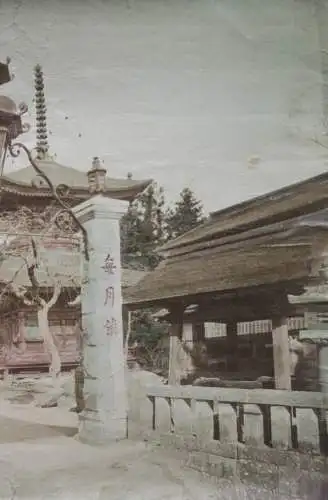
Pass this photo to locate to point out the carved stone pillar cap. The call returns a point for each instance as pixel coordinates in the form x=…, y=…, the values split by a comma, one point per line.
x=97, y=166
x=100, y=207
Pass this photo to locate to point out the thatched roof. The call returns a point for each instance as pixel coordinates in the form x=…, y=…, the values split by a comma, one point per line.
x=295, y=200
x=265, y=241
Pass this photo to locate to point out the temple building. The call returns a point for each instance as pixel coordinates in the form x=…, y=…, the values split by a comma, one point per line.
x=21, y=344
x=260, y=261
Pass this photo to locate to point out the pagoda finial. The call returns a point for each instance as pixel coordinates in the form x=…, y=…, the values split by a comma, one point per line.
x=42, y=145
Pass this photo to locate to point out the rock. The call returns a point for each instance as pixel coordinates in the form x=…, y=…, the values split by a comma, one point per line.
x=66, y=402
x=49, y=399
x=143, y=378
x=67, y=383
x=49, y=404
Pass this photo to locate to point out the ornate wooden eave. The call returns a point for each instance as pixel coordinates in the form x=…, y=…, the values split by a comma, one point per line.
x=251, y=305
x=128, y=192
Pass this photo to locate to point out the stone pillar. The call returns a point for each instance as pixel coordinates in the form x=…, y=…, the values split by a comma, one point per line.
x=281, y=354
x=104, y=418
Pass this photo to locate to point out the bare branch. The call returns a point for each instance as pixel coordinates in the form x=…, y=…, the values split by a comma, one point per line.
x=35, y=252
x=32, y=277
x=75, y=302
x=20, y=292
x=55, y=296
x=319, y=143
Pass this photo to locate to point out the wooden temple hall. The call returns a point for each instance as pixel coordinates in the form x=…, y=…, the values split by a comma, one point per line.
x=21, y=341
x=263, y=260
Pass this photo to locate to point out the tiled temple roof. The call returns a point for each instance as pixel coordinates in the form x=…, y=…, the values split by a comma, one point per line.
x=25, y=182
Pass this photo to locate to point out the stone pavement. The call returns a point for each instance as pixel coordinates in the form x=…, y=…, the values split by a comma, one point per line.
x=40, y=459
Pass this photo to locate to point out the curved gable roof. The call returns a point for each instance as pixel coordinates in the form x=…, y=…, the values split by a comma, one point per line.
x=72, y=177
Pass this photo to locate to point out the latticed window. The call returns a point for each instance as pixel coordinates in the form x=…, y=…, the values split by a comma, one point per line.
x=215, y=330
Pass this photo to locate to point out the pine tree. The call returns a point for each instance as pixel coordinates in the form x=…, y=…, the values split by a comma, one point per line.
x=141, y=234
x=186, y=214
x=142, y=229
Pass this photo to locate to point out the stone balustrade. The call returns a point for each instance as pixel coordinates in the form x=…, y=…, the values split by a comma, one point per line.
x=262, y=430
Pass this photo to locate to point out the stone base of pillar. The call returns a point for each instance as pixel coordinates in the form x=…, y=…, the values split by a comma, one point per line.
x=97, y=428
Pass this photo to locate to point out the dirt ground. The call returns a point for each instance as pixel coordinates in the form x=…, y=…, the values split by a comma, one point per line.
x=40, y=458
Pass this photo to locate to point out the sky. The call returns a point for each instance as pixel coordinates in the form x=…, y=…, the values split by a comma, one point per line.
x=227, y=97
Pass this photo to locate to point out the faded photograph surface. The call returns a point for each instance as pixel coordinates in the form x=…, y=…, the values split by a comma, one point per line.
x=163, y=249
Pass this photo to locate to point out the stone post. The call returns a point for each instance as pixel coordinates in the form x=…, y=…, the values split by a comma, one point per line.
x=323, y=367
x=104, y=418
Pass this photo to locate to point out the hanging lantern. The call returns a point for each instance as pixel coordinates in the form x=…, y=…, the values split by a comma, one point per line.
x=10, y=122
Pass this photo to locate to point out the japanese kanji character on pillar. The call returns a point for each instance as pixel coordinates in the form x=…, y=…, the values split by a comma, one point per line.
x=109, y=265
x=109, y=296
x=111, y=327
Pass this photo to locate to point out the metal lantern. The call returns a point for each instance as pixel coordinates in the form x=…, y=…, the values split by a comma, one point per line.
x=10, y=122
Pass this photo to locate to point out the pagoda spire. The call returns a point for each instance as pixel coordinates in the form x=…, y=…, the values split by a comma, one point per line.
x=42, y=144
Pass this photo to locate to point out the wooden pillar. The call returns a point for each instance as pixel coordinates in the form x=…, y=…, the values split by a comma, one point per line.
x=281, y=354
x=175, y=346
x=199, y=332
x=187, y=362
x=232, y=346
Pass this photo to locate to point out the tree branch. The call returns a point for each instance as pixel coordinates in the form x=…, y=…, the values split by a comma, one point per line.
x=20, y=292
x=75, y=302
x=55, y=296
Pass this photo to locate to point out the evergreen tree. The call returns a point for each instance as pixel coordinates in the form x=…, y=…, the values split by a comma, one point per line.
x=145, y=227
x=186, y=214
x=141, y=234
x=142, y=229
x=151, y=234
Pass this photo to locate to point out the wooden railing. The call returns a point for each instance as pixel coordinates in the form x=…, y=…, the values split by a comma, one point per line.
x=262, y=418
